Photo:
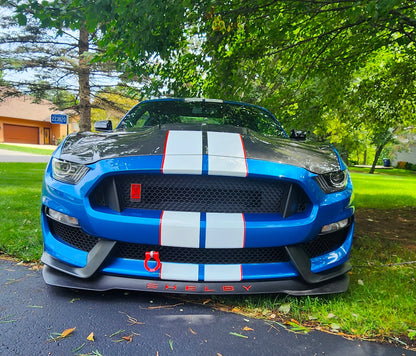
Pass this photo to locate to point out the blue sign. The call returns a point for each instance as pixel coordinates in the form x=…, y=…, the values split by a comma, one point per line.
x=59, y=119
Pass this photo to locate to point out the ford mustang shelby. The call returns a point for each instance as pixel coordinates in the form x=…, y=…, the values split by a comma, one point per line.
x=196, y=196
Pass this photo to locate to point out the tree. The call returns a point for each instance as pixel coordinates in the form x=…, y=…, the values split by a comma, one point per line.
x=303, y=59
x=111, y=105
x=384, y=95
x=56, y=58
x=278, y=53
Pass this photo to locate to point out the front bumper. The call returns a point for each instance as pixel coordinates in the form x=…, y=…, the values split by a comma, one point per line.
x=58, y=273
x=102, y=282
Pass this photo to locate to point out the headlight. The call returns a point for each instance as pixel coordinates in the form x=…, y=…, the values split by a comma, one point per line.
x=332, y=182
x=68, y=172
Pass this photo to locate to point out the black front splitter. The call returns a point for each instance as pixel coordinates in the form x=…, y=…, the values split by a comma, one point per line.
x=105, y=282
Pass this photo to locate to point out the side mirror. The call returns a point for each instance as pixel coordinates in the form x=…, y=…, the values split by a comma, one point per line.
x=298, y=135
x=103, y=125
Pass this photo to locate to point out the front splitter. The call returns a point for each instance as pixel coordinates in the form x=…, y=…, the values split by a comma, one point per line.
x=104, y=282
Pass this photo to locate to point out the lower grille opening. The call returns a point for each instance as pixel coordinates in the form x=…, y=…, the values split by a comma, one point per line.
x=77, y=238
x=73, y=236
x=202, y=255
x=323, y=244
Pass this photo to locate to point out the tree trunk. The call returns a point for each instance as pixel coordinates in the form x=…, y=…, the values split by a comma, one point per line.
x=378, y=153
x=84, y=81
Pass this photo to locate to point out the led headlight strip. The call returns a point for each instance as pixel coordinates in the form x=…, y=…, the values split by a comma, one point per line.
x=68, y=172
x=332, y=182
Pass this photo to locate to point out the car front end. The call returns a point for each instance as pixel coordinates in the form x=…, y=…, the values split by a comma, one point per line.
x=201, y=208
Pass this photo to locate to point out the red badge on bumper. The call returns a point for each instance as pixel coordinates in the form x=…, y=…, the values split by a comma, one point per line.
x=135, y=192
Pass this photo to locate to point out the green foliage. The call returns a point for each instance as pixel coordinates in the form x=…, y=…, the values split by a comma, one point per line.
x=111, y=105
x=409, y=166
x=20, y=232
x=343, y=70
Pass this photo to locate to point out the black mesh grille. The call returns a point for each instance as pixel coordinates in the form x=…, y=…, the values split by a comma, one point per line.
x=204, y=256
x=198, y=193
x=316, y=247
x=325, y=243
x=73, y=236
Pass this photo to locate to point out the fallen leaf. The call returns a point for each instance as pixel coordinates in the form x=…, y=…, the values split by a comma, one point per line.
x=239, y=335
x=335, y=327
x=171, y=344
x=90, y=337
x=67, y=332
x=131, y=320
x=193, y=332
x=360, y=282
x=128, y=338
x=285, y=308
x=265, y=311
x=331, y=315
x=246, y=328
x=163, y=306
x=3, y=320
x=236, y=310
x=296, y=327
x=206, y=301
x=117, y=332
x=78, y=348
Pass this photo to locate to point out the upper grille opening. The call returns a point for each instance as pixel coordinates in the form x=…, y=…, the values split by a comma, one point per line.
x=200, y=194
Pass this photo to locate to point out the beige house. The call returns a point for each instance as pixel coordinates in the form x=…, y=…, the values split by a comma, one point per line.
x=24, y=121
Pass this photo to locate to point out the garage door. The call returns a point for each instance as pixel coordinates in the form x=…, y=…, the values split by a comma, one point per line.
x=21, y=134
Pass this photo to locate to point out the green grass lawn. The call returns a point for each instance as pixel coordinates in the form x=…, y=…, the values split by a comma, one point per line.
x=387, y=190
x=379, y=303
x=20, y=191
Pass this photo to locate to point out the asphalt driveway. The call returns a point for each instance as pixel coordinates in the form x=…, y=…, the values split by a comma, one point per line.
x=129, y=323
x=13, y=156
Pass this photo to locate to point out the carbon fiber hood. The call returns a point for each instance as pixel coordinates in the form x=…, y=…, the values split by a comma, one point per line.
x=88, y=147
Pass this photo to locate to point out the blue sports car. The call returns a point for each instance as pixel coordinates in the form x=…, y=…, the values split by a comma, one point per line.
x=197, y=196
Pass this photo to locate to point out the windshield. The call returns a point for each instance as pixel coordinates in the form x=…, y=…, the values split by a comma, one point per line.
x=157, y=113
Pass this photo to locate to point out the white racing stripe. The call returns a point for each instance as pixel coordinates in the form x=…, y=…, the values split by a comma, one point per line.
x=179, y=229
x=226, y=155
x=179, y=271
x=183, y=153
x=225, y=230
x=220, y=273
